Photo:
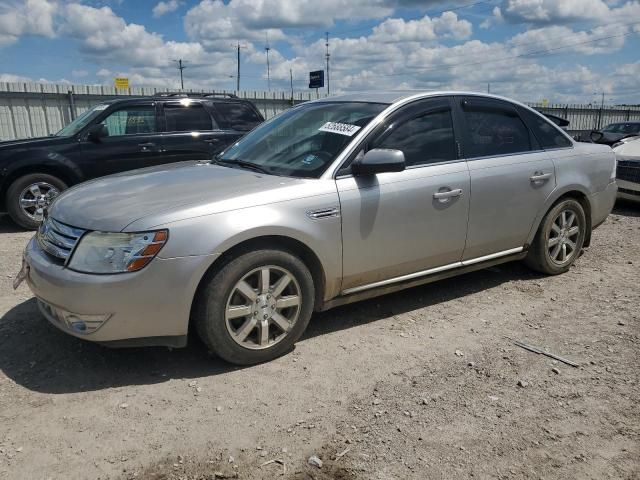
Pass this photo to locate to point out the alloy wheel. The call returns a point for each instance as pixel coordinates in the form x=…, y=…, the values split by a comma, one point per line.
x=563, y=237
x=263, y=307
x=35, y=199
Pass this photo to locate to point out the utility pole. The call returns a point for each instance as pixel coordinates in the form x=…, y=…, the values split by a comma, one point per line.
x=291, y=81
x=327, y=55
x=238, y=75
x=599, y=123
x=181, y=67
x=266, y=49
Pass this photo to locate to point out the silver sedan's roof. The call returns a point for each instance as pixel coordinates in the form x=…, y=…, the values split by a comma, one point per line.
x=393, y=96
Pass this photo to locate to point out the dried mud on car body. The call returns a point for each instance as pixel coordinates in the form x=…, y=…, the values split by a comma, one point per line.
x=379, y=380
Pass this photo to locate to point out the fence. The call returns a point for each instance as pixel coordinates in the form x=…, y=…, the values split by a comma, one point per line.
x=39, y=109
x=585, y=118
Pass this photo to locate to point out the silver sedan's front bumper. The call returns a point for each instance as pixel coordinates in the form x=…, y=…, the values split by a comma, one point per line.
x=153, y=303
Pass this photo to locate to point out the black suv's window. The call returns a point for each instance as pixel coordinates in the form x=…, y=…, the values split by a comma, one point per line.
x=425, y=139
x=545, y=132
x=494, y=128
x=187, y=117
x=240, y=116
x=131, y=121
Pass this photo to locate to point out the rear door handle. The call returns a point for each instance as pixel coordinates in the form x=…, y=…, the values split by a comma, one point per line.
x=540, y=177
x=447, y=194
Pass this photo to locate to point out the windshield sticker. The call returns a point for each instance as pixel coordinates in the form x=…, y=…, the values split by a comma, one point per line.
x=339, y=128
x=310, y=159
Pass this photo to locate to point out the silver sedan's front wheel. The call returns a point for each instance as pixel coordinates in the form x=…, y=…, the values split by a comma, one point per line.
x=263, y=307
x=254, y=307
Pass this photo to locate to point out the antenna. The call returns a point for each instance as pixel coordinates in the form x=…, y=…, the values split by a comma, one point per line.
x=266, y=49
x=327, y=55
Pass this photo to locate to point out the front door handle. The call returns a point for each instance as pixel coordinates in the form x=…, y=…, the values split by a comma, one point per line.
x=540, y=177
x=147, y=147
x=445, y=195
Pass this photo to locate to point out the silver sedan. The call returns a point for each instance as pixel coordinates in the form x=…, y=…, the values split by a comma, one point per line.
x=331, y=202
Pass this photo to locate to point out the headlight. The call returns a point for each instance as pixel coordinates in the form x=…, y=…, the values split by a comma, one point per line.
x=100, y=252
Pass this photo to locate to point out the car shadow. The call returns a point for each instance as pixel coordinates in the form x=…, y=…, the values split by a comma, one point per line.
x=626, y=208
x=7, y=225
x=43, y=359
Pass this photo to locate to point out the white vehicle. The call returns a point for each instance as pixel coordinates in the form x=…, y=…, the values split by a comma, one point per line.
x=628, y=173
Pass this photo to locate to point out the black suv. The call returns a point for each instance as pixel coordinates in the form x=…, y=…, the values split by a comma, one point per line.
x=115, y=136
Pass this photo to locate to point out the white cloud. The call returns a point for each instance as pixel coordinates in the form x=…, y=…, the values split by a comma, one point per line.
x=79, y=73
x=30, y=17
x=104, y=72
x=163, y=8
x=558, y=11
x=425, y=29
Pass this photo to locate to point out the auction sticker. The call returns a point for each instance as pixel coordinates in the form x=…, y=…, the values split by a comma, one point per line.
x=340, y=128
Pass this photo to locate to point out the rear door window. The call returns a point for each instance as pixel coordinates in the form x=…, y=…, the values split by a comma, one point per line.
x=133, y=120
x=239, y=116
x=494, y=128
x=191, y=117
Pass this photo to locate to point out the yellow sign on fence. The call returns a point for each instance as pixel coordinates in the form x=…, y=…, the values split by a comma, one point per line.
x=121, y=83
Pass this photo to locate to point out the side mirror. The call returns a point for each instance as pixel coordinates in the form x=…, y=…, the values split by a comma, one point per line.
x=596, y=136
x=97, y=132
x=379, y=160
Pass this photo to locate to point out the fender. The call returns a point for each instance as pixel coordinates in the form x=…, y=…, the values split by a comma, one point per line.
x=553, y=198
x=26, y=160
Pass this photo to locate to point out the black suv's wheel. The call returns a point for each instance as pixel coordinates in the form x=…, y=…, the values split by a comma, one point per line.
x=255, y=307
x=29, y=195
x=559, y=239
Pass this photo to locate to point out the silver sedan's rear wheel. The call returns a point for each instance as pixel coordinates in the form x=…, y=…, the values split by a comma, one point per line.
x=255, y=306
x=263, y=307
x=562, y=242
x=559, y=239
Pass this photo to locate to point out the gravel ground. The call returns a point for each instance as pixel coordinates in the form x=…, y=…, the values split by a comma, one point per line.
x=422, y=384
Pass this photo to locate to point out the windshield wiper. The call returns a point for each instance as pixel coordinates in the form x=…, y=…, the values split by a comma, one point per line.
x=244, y=164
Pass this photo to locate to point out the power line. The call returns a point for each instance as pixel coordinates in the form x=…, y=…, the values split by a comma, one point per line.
x=536, y=52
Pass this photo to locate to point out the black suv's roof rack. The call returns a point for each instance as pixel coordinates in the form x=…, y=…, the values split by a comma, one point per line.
x=194, y=94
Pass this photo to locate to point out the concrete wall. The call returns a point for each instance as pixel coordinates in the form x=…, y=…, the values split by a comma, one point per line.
x=39, y=109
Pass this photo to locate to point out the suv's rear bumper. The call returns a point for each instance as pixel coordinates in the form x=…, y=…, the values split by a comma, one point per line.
x=154, y=302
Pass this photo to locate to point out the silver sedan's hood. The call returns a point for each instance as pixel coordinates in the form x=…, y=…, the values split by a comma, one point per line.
x=177, y=191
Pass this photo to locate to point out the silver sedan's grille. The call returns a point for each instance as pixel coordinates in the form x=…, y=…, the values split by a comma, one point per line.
x=58, y=239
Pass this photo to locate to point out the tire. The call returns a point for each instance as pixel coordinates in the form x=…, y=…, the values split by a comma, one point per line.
x=242, y=338
x=24, y=190
x=546, y=254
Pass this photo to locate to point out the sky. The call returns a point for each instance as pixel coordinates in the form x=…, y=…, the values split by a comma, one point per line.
x=532, y=50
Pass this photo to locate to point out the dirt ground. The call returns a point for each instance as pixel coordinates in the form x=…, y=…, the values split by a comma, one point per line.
x=422, y=384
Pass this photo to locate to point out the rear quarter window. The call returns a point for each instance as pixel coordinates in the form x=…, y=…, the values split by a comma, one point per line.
x=238, y=115
x=545, y=132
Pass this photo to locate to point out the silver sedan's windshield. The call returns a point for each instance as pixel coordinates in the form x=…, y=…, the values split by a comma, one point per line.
x=303, y=141
x=81, y=121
